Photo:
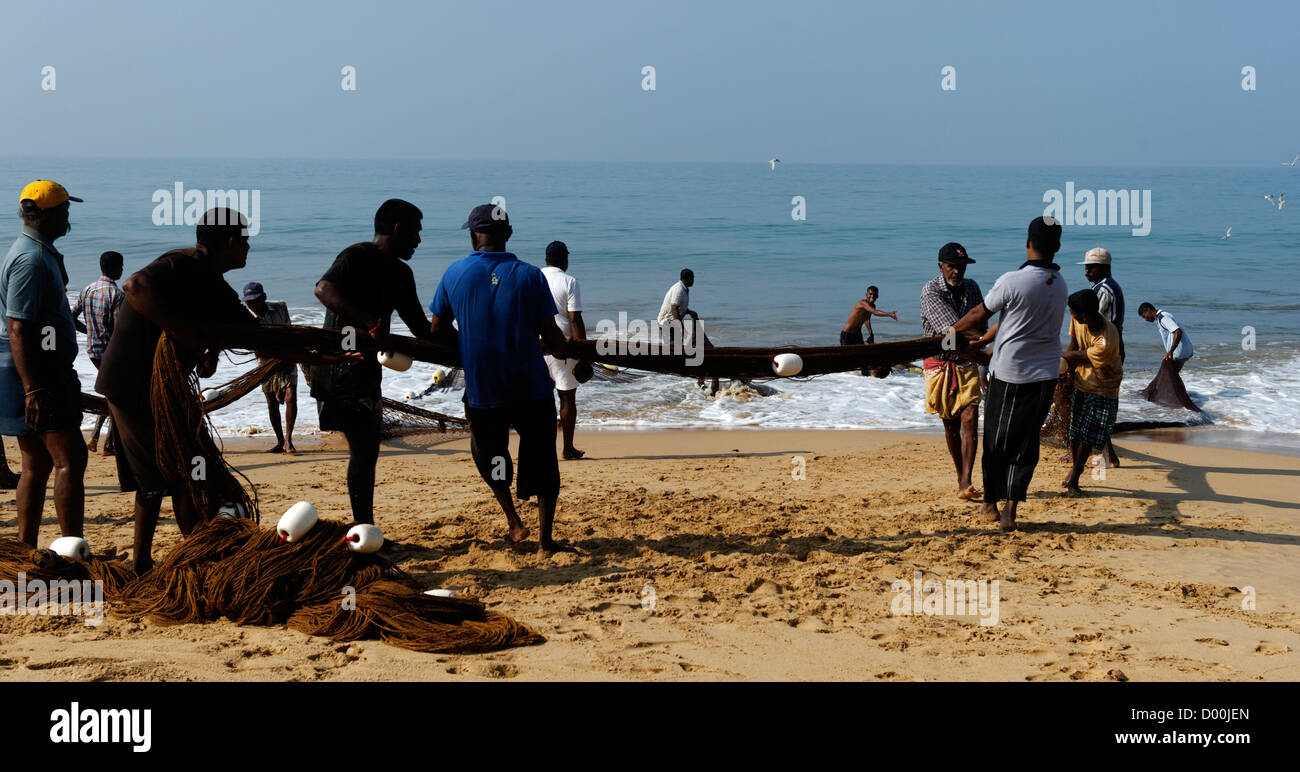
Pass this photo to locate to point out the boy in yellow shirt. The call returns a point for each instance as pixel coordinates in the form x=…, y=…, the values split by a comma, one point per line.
x=1094, y=356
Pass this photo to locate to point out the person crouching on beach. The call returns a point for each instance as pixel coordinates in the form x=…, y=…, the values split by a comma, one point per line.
x=501, y=306
x=952, y=378
x=1094, y=357
x=1023, y=370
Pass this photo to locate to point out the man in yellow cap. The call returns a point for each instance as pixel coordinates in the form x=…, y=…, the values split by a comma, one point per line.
x=40, y=396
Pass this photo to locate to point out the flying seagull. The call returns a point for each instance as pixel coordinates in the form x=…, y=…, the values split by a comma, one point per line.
x=1293, y=160
x=774, y=162
x=1279, y=203
x=1227, y=235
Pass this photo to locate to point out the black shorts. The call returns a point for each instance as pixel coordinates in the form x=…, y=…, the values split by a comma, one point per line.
x=534, y=422
x=851, y=338
x=343, y=414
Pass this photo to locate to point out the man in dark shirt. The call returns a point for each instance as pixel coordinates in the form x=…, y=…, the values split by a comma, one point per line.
x=360, y=291
x=502, y=306
x=178, y=293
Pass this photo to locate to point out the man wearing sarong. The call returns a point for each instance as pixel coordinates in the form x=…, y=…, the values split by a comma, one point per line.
x=1023, y=369
x=952, y=379
x=1094, y=357
x=1110, y=303
x=280, y=387
x=179, y=294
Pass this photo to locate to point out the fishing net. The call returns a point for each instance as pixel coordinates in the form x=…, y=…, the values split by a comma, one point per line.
x=233, y=568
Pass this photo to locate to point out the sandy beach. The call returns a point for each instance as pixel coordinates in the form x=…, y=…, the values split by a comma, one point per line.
x=702, y=557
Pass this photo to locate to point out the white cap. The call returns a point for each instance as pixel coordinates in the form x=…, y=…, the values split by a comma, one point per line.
x=1096, y=256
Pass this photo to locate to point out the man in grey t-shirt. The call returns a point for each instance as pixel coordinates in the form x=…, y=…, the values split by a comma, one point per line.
x=1023, y=371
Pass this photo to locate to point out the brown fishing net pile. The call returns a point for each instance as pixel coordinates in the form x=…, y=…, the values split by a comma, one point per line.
x=233, y=568
x=48, y=566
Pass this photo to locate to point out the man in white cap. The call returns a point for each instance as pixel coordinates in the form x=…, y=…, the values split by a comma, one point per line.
x=1110, y=299
x=1096, y=268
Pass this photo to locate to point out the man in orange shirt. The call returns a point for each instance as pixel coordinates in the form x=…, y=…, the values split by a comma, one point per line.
x=1094, y=356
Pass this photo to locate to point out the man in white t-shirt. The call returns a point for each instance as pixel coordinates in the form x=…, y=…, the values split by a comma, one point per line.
x=674, y=313
x=1024, y=368
x=568, y=301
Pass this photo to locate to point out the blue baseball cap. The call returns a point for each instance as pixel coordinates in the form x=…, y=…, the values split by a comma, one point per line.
x=253, y=291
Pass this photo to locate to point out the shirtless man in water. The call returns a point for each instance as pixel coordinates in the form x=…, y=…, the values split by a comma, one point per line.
x=860, y=315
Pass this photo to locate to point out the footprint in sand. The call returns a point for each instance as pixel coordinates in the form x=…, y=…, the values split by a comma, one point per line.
x=1269, y=647
x=498, y=670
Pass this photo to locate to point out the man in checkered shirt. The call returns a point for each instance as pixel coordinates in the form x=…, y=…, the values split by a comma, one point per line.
x=952, y=381
x=98, y=303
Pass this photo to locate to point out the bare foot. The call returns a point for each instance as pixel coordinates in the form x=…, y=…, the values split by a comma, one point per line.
x=92, y=445
x=1074, y=492
x=518, y=533
x=276, y=449
x=1065, y=458
x=990, y=514
x=546, y=549
x=1114, y=459
x=1007, y=522
x=573, y=454
x=970, y=494
x=290, y=449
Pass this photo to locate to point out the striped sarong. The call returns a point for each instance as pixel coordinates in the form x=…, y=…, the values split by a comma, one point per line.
x=1013, y=417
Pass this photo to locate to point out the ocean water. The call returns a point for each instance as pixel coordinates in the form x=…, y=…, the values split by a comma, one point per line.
x=762, y=277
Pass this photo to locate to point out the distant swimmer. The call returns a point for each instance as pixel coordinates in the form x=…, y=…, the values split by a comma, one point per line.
x=774, y=162
x=861, y=314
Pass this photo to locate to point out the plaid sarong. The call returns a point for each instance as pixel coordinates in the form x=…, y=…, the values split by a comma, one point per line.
x=1092, y=418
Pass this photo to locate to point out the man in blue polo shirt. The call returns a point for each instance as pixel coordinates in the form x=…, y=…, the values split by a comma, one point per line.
x=40, y=396
x=501, y=307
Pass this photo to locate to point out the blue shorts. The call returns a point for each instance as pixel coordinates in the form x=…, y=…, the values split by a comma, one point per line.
x=64, y=404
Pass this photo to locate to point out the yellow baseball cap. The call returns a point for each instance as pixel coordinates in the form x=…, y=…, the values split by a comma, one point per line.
x=46, y=194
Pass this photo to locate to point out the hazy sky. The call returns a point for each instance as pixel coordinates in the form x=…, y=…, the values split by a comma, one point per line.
x=1090, y=83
